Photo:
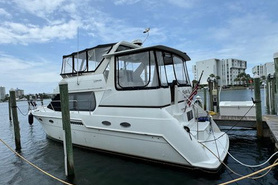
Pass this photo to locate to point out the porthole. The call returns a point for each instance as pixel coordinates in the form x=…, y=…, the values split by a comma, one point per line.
x=107, y=123
x=125, y=124
x=51, y=121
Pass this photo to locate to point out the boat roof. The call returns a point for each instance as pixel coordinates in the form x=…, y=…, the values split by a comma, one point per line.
x=157, y=47
x=87, y=49
x=130, y=51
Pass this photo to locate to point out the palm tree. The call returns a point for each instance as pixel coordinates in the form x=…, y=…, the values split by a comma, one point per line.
x=211, y=75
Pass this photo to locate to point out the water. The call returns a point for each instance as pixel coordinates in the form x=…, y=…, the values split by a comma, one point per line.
x=103, y=169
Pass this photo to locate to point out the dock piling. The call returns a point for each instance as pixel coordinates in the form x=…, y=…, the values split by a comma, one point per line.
x=15, y=120
x=257, y=92
x=69, y=165
x=205, y=98
x=275, y=56
x=210, y=85
x=10, y=113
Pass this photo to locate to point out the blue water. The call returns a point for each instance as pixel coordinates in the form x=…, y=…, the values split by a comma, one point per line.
x=102, y=169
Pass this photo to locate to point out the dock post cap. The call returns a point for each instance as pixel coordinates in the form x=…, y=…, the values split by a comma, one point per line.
x=63, y=82
x=12, y=89
x=275, y=55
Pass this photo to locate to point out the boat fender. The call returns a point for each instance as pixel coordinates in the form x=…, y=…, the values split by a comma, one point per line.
x=30, y=118
x=187, y=129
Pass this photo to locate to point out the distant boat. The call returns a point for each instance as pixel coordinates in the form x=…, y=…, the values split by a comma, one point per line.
x=130, y=100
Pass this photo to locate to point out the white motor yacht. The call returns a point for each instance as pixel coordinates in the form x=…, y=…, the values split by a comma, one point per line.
x=132, y=100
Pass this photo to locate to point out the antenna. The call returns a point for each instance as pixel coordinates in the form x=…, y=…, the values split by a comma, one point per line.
x=146, y=31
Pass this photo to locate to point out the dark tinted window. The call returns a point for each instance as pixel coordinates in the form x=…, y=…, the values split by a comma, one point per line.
x=84, y=101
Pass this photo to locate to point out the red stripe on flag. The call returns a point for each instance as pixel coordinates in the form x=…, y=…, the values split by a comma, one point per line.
x=192, y=94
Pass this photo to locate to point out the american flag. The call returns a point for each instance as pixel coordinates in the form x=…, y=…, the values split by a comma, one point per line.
x=194, y=91
x=192, y=94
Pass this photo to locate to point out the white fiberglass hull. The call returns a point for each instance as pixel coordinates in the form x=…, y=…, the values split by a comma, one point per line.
x=153, y=136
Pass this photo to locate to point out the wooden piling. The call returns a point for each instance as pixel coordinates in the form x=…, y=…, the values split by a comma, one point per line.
x=275, y=56
x=257, y=92
x=205, y=98
x=273, y=105
x=217, y=96
x=15, y=120
x=10, y=113
x=267, y=94
x=210, y=84
x=69, y=165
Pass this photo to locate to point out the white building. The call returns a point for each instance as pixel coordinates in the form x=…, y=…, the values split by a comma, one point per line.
x=208, y=66
x=264, y=70
x=19, y=93
x=226, y=69
x=2, y=92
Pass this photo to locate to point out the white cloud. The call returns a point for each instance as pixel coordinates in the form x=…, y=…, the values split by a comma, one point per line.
x=17, y=72
x=183, y=3
x=4, y=13
x=39, y=7
x=251, y=37
x=129, y=2
x=11, y=32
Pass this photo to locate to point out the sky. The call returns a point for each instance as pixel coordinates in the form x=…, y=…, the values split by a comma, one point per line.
x=35, y=34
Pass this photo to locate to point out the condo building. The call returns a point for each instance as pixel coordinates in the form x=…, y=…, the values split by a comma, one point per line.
x=226, y=69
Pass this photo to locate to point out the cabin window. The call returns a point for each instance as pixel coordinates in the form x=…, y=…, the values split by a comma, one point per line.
x=84, y=101
x=95, y=56
x=84, y=61
x=67, y=66
x=135, y=71
x=80, y=62
x=171, y=67
x=180, y=70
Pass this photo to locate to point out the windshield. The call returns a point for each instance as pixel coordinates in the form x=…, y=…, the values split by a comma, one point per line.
x=150, y=69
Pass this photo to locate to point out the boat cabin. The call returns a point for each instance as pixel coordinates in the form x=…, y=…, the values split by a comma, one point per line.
x=135, y=67
x=126, y=67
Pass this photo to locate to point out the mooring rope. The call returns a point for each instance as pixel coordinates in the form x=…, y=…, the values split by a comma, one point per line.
x=245, y=176
x=253, y=166
x=240, y=175
x=251, y=174
x=231, y=126
x=38, y=168
x=22, y=112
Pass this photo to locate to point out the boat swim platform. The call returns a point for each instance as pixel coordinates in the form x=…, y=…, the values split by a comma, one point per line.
x=270, y=124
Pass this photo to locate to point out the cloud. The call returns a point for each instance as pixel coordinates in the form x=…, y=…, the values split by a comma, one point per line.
x=18, y=72
x=252, y=37
x=183, y=3
x=19, y=33
x=39, y=7
x=128, y=2
x=4, y=13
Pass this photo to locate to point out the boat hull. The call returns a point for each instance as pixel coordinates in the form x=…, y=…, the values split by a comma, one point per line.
x=167, y=143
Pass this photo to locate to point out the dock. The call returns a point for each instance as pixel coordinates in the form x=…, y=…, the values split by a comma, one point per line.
x=272, y=122
x=239, y=121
